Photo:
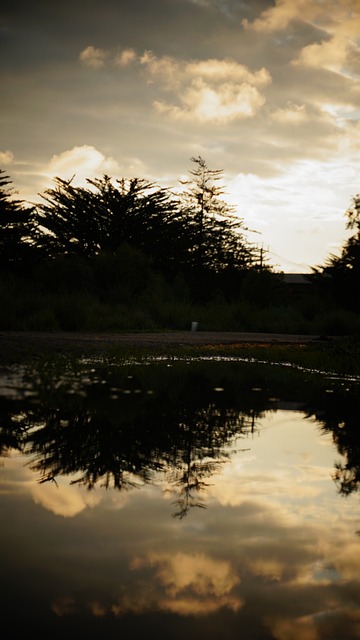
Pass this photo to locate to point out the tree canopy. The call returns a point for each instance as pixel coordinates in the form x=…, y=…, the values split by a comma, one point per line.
x=17, y=231
x=343, y=272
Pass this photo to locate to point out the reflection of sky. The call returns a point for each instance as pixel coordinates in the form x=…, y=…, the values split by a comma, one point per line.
x=274, y=555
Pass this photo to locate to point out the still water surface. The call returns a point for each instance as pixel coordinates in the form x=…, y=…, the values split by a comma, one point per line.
x=179, y=499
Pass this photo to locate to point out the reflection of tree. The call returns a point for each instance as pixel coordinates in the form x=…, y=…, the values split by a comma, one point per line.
x=120, y=430
x=120, y=426
x=338, y=414
x=347, y=475
x=198, y=459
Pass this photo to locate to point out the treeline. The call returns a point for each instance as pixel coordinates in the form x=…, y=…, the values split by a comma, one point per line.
x=130, y=255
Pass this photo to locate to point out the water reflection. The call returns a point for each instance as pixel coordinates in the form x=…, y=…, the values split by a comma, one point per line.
x=258, y=462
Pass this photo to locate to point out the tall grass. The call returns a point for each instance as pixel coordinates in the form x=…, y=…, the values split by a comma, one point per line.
x=104, y=300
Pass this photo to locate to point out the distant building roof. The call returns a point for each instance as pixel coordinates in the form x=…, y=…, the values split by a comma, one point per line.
x=296, y=278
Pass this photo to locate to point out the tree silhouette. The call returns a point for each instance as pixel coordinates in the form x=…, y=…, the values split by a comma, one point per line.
x=341, y=274
x=219, y=242
x=16, y=227
x=86, y=221
x=195, y=235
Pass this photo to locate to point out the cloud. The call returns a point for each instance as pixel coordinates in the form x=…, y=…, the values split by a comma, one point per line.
x=292, y=114
x=211, y=90
x=6, y=157
x=94, y=58
x=221, y=104
x=278, y=17
x=334, y=55
x=82, y=163
x=338, y=49
x=125, y=57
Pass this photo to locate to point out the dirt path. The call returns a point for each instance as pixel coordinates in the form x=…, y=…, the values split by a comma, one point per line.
x=15, y=344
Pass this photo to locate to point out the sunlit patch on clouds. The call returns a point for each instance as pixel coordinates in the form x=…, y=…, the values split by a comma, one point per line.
x=210, y=90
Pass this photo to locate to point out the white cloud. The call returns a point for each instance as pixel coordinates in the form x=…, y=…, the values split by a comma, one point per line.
x=221, y=104
x=82, y=163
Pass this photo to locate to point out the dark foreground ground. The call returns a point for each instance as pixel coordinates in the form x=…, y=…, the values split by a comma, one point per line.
x=14, y=345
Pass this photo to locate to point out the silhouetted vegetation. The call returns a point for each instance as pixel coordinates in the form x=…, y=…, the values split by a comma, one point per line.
x=129, y=255
x=341, y=274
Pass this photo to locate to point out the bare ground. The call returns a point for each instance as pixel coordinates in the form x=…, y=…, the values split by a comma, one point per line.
x=14, y=345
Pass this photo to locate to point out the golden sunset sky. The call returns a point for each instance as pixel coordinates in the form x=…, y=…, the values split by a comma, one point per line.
x=267, y=91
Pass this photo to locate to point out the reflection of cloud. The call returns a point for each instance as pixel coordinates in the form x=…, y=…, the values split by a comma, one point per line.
x=65, y=501
x=192, y=607
x=302, y=628
x=63, y=606
x=335, y=621
x=208, y=581
x=268, y=568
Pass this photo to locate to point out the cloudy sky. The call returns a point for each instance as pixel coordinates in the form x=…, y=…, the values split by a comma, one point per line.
x=267, y=90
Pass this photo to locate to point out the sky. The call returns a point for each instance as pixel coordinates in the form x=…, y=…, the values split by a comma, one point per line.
x=267, y=91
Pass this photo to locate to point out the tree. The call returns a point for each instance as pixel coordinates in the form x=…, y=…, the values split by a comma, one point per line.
x=195, y=235
x=68, y=221
x=341, y=274
x=85, y=221
x=218, y=241
x=16, y=225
